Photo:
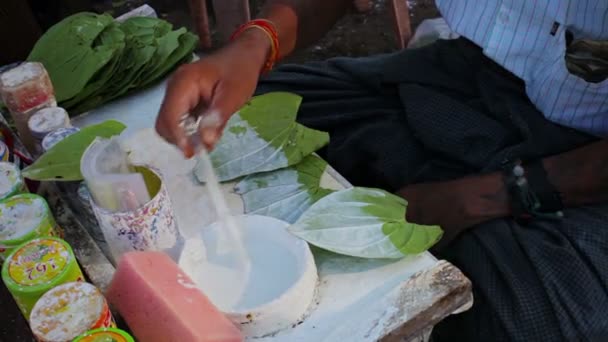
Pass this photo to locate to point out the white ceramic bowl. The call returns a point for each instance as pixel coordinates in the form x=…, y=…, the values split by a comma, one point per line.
x=280, y=287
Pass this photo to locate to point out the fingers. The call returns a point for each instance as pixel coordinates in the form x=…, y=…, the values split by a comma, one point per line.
x=226, y=100
x=208, y=89
x=211, y=123
x=182, y=95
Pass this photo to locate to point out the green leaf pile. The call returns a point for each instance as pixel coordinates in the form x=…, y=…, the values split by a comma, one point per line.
x=286, y=193
x=263, y=136
x=91, y=59
x=363, y=222
x=62, y=161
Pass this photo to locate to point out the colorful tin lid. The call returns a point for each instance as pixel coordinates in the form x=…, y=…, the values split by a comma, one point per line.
x=105, y=335
x=37, y=265
x=56, y=136
x=20, y=216
x=68, y=311
x=11, y=182
x=48, y=120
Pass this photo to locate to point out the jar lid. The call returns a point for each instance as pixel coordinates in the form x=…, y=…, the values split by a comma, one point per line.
x=56, y=136
x=21, y=73
x=67, y=311
x=47, y=120
x=37, y=265
x=106, y=335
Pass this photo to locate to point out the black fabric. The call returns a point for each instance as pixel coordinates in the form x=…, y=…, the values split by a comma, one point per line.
x=445, y=111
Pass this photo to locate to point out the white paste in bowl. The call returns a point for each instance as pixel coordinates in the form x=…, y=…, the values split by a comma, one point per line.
x=279, y=288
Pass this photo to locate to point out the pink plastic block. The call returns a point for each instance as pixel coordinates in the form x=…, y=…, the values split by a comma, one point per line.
x=160, y=303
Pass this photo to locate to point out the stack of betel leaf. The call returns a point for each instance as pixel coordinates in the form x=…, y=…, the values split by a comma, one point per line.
x=280, y=176
x=92, y=59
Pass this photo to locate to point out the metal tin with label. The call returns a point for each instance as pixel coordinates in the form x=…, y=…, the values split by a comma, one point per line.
x=24, y=217
x=37, y=266
x=68, y=311
x=106, y=335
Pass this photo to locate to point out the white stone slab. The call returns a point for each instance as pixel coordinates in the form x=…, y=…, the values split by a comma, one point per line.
x=356, y=299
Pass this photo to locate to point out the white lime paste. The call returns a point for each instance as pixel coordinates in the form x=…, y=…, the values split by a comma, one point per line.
x=268, y=260
x=20, y=216
x=279, y=286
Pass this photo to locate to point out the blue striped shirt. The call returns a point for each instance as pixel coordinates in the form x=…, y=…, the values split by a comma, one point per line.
x=527, y=37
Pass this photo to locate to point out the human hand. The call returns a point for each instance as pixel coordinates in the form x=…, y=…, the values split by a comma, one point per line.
x=215, y=87
x=458, y=204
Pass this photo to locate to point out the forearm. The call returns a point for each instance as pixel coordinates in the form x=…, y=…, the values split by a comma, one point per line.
x=579, y=176
x=302, y=22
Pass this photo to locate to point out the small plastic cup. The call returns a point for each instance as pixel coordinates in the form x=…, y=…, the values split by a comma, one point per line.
x=25, y=89
x=151, y=227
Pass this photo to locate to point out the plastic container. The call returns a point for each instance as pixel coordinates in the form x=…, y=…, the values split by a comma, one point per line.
x=11, y=182
x=68, y=311
x=24, y=217
x=37, y=266
x=151, y=227
x=27, y=87
x=56, y=136
x=46, y=121
x=106, y=335
x=24, y=90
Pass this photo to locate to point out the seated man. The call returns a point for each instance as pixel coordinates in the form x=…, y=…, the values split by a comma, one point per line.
x=495, y=136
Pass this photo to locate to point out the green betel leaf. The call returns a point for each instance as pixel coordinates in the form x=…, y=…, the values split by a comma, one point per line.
x=264, y=136
x=141, y=34
x=363, y=222
x=187, y=44
x=111, y=36
x=70, y=53
x=92, y=59
x=166, y=45
x=286, y=193
x=62, y=162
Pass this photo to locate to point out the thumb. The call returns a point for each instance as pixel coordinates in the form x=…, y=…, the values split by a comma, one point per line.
x=210, y=127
